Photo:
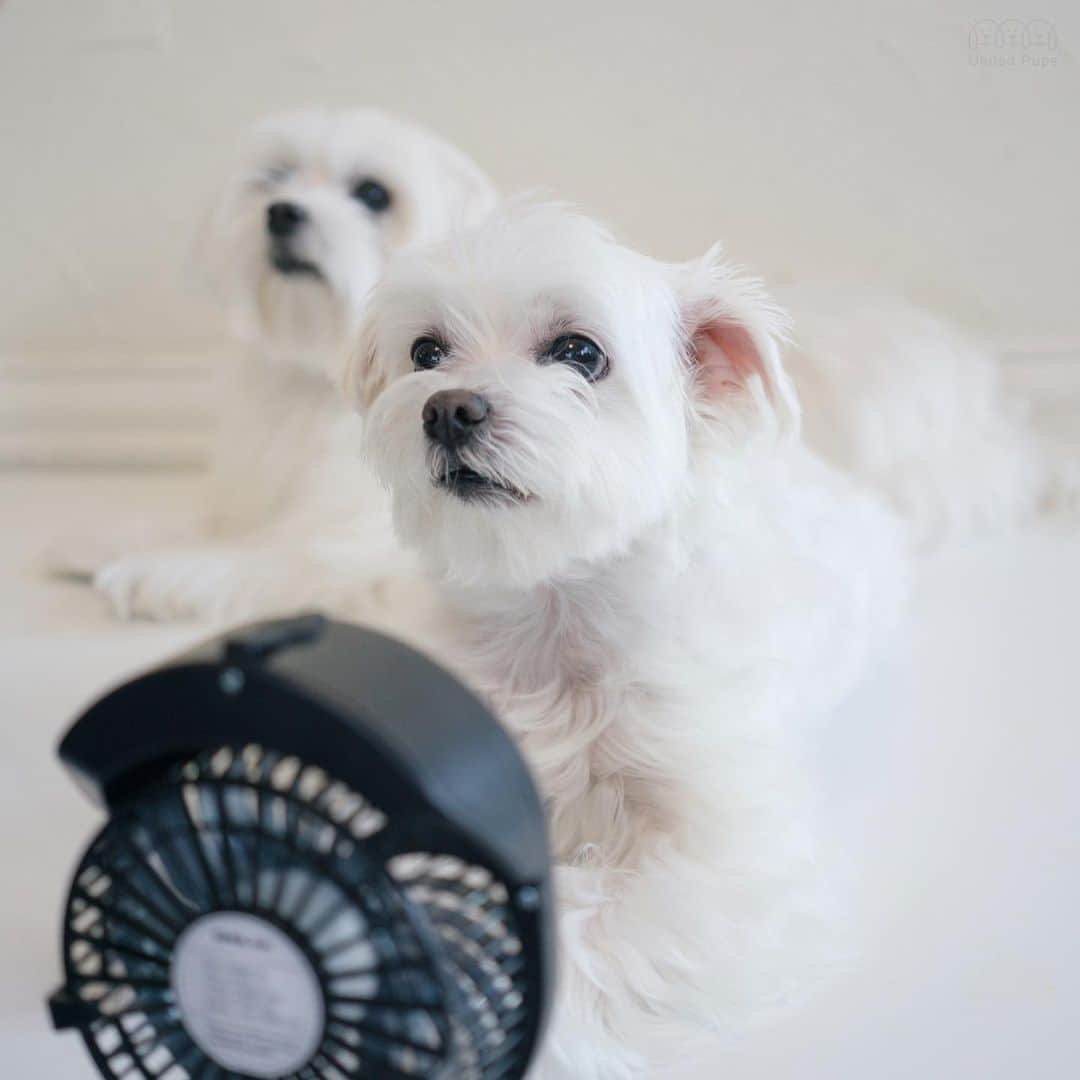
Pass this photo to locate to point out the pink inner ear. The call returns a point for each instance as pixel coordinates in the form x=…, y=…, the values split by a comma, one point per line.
x=726, y=356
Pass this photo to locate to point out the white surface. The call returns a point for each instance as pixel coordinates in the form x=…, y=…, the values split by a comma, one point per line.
x=111, y=410
x=954, y=785
x=852, y=137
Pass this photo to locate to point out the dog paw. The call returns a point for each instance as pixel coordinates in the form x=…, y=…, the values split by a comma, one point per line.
x=79, y=558
x=169, y=586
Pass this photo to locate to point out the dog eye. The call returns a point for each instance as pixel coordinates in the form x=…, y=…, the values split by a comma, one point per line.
x=372, y=194
x=580, y=353
x=277, y=173
x=427, y=353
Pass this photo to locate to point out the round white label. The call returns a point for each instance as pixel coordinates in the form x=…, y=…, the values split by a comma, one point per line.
x=247, y=995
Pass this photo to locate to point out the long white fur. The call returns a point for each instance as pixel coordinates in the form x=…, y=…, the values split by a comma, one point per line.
x=290, y=515
x=915, y=409
x=684, y=588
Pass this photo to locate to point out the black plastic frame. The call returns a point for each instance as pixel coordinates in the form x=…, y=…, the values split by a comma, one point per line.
x=373, y=712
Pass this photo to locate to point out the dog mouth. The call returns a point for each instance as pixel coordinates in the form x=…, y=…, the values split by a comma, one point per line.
x=469, y=485
x=287, y=262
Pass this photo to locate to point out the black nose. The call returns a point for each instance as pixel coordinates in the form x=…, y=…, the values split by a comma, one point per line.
x=451, y=416
x=283, y=218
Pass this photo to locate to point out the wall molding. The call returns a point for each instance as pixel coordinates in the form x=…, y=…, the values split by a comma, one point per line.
x=117, y=410
x=125, y=409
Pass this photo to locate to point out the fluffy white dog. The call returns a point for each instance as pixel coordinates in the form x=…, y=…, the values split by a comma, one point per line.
x=291, y=516
x=652, y=580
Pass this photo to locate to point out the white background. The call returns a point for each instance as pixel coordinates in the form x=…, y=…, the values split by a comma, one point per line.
x=847, y=138
x=851, y=139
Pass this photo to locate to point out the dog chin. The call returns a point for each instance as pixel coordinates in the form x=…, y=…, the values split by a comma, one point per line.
x=294, y=319
x=498, y=540
x=475, y=527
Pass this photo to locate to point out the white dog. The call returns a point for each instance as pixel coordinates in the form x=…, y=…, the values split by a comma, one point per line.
x=291, y=516
x=652, y=580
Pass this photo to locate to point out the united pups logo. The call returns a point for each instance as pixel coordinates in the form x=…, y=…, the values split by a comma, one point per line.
x=1013, y=43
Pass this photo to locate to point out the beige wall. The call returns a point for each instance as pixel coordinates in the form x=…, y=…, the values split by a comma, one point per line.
x=844, y=138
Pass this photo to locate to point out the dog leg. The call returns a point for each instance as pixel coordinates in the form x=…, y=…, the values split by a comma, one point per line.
x=229, y=582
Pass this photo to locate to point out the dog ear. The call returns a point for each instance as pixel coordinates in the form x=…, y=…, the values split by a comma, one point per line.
x=470, y=194
x=733, y=334
x=363, y=374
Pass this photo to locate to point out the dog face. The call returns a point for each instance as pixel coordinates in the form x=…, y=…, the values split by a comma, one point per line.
x=538, y=395
x=319, y=201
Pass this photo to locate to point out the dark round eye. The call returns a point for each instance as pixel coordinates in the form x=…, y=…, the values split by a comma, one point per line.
x=427, y=353
x=580, y=353
x=278, y=173
x=372, y=194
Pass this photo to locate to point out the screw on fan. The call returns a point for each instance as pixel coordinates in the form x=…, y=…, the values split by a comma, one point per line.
x=412, y=961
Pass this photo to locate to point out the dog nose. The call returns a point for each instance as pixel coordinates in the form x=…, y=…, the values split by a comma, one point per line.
x=283, y=218
x=452, y=416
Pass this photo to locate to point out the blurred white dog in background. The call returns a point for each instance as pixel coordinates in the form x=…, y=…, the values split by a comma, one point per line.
x=652, y=580
x=291, y=516
x=914, y=408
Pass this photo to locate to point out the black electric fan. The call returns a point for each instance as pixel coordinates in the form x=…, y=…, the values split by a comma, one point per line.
x=323, y=859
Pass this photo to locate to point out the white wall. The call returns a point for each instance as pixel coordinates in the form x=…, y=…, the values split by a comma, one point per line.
x=852, y=138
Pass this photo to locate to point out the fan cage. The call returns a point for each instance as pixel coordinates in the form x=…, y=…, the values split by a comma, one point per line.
x=419, y=954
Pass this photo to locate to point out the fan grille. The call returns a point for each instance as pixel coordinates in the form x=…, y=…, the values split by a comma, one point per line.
x=418, y=956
